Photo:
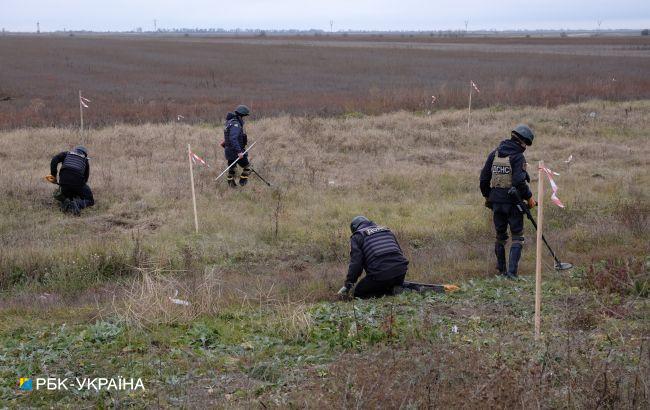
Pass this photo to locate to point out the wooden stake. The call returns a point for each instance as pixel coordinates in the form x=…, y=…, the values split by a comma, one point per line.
x=81, y=113
x=538, y=258
x=196, y=218
x=469, y=109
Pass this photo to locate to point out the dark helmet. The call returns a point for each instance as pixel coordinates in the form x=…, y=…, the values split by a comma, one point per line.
x=524, y=133
x=80, y=149
x=242, y=110
x=356, y=221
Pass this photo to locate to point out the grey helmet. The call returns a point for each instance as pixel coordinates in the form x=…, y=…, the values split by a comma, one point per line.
x=356, y=222
x=80, y=149
x=524, y=133
x=242, y=110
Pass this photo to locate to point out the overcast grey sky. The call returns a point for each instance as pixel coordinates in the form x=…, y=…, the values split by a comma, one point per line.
x=21, y=15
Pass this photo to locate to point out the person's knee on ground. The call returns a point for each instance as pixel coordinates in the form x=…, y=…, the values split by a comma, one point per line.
x=369, y=288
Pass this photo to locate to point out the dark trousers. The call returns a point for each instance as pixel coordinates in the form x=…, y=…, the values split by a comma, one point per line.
x=370, y=288
x=244, y=163
x=507, y=214
x=82, y=193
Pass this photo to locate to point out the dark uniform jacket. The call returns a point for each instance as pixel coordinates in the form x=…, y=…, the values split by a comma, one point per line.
x=515, y=152
x=375, y=249
x=74, y=171
x=235, y=137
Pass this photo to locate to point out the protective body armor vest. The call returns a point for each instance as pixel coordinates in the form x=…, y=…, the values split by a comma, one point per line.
x=74, y=162
x=243, y=140
x=501, y=172
x=378, y=241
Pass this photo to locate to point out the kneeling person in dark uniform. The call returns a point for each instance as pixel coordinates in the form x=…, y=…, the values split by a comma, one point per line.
x=235, y=140
x=374, y=249
x=74, y=192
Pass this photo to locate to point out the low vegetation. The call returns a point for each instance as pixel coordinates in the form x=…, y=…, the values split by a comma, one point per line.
x=90, y=295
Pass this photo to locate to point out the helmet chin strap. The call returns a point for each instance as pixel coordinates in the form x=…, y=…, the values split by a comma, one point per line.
x=521, y=143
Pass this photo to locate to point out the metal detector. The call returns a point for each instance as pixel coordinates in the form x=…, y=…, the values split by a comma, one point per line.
x=260, y=177
x=523, y=207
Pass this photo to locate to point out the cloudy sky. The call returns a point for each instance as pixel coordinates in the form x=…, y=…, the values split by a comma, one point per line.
x=101, y=15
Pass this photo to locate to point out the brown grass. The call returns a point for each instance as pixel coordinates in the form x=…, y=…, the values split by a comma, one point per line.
x=139, y=80
x=417, y=174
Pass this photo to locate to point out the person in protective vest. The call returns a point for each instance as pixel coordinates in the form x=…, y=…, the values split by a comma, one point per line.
x=74, y=194
x=505, y=169
x=374, y=249
x=234, y=144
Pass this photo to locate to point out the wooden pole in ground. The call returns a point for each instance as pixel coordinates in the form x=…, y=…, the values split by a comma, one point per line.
x=81, y=113
x=538, y=258
x=196, y=218
x=469, y=109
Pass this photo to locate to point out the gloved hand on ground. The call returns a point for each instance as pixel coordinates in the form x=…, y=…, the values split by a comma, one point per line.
x=345, y=290
x=50, y=178
x=488, y=203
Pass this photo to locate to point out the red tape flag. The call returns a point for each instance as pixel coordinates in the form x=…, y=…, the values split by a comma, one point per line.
x=554, y=197
x=83, y=101
x=195, y=158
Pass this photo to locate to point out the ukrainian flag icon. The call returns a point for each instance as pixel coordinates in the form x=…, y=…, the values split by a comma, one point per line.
x=25, y=383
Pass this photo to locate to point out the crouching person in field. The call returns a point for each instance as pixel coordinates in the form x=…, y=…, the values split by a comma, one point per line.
x=74, y=194
x=374, y=249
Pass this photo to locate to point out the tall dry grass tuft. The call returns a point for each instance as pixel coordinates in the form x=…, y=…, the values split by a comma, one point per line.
x=148, y=299
x=157, y=297
x=292, y=320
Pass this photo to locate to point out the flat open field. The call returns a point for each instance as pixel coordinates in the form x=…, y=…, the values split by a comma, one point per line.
x=89, y=296
x=154, y=79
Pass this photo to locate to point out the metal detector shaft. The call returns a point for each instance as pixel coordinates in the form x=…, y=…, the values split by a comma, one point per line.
x=260, y=177
x=532, y=220
x=235, y=162
x=523, y=207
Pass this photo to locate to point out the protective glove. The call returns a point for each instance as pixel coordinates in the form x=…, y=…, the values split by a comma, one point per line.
x=223, y=144
x=531, y=203
x=50, y=178
x=240, y=155
x=343, y=291
x=488, y=203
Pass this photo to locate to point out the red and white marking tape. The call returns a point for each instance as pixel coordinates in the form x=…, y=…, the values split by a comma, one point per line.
x=196, y=159
x=554, y=197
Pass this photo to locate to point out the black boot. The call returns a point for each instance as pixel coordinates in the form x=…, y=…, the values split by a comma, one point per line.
x=231, y=182
x=65, y=205
x=500, y=252
x=74, y=206
x=243, y=178
x=513, y=262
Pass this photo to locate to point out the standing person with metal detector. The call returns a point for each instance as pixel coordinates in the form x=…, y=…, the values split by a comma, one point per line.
x=504, y=169
x=234, y=144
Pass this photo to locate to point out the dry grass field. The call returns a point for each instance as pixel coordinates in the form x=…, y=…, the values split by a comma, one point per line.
x=89, y=295
x=150, y=79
